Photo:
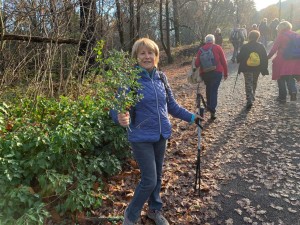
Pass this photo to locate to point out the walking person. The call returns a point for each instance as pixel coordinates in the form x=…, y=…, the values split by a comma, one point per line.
x=244, y=31
x=212, y=79
x=150, y=128
x=284, y=70
x=254, y=27
x=237, y=40
x=273, y=28
x=253, y=61
x=264, y=32
x=218, y=37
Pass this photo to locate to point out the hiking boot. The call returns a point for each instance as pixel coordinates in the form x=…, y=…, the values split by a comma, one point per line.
x=157, y=217
x=280, y=100
x=293, y=96
x=213, y=116
x=249, y=105
x=126, y=220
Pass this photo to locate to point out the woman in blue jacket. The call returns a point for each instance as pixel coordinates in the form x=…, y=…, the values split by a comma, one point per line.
x=149, y=130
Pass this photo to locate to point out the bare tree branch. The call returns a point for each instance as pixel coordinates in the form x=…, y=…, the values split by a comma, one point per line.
x=17, y=37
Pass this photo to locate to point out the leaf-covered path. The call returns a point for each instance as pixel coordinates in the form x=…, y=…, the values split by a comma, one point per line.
x=250, y=160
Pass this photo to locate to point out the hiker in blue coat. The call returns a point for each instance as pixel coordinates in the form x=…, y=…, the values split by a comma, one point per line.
x=150, y=128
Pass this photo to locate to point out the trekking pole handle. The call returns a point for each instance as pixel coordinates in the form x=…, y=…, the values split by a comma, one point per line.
x=198, y=120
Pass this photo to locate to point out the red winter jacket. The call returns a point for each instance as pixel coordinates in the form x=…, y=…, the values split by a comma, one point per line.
x=219, y=59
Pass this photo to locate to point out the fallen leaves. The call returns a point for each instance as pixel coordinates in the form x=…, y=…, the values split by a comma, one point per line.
x=276, y=207
x=258, y=151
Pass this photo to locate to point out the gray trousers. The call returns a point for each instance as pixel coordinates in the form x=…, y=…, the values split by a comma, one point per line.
x=251, y=79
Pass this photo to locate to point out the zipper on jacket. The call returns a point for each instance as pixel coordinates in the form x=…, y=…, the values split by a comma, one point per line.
x=159, y=121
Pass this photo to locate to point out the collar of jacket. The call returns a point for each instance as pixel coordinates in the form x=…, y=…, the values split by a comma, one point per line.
x=145, y=72
x=207, y=45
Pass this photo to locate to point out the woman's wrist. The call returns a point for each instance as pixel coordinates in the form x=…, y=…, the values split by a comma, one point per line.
x=192, y=119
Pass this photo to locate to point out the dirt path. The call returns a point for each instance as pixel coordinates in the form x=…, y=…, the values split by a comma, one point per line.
x=250, y=159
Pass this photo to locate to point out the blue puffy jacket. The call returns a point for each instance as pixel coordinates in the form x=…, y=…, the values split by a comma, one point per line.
x=151, y=113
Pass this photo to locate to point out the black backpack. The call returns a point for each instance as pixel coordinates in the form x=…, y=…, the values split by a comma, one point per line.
x=235, y=36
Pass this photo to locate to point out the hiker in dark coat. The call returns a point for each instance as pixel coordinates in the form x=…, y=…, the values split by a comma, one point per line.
x=252, y=69
x=218, y=37
x=237, y=39
x=264, y=32
x=273, y=28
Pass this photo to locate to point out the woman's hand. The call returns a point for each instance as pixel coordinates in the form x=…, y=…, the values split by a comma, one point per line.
x=124, y=119
x=198, y=118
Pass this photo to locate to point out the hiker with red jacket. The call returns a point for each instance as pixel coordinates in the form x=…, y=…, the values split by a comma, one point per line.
x=212, y=79
x=253, y=61
x=284, y=70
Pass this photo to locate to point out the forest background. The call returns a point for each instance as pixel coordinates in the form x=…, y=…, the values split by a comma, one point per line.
x=53, y=99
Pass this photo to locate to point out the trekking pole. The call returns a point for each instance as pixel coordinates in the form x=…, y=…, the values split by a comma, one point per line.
x=200, y=111
x=235, y=81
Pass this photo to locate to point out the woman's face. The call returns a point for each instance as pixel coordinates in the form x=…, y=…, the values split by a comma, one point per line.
x=145, y=57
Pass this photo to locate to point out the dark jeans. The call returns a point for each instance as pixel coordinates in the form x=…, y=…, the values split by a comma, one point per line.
x=264, y=40
x=212, y=82
x=289, y=82
x=150, y=158
x=236, y=50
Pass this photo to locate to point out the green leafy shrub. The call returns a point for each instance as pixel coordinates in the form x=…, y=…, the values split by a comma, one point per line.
x=54, y=151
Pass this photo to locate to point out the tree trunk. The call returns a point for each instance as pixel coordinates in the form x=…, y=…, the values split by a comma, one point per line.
x=120, y=24
x=161, y=25
x=101, y=22
x=138, y=18
x=170, y=59
x=131, y=23
x=176, y=22
x=87, y=25
x=167, y=46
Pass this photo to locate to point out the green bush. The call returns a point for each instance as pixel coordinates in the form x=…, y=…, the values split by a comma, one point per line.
x=54, y=151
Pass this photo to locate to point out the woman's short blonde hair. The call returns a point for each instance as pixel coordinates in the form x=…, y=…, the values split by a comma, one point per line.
x=253, y=35
x=148, y=43
x=284, y=26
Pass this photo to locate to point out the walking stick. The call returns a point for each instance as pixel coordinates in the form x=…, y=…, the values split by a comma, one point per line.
x=235, y=81
x=200, y=111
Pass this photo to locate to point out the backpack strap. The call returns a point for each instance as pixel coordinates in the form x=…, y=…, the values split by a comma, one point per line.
x=162, y=77
x=203, y=50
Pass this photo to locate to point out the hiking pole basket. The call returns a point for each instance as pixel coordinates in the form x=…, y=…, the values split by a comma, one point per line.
x=200, y=111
